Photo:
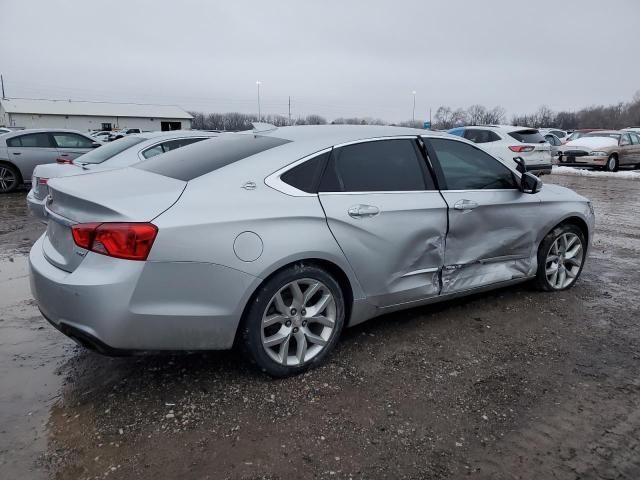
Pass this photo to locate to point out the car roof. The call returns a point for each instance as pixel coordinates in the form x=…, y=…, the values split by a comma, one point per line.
x=43, y=130
x=337, y=134
x=173, y=134
x=504, y=128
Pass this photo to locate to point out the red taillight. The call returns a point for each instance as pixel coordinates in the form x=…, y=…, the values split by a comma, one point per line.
x=42, y=180
x=131, y=241
x=64, y=160
x=521, y=148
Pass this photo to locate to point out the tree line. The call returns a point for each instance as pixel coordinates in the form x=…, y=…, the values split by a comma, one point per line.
x=616, y=116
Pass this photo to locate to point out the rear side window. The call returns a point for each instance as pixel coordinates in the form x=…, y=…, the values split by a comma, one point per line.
x=465, y=167
x=635, y=139
x=71, y=140
x=37, y=140
x=527, y=136
x=306, y=176
x=378, y=166
x=480, y=136
x=206, y=157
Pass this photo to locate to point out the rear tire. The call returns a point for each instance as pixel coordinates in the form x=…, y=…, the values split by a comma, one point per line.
x=293, y=321
x=561, y=257
x=612, y=164
x=9, y=178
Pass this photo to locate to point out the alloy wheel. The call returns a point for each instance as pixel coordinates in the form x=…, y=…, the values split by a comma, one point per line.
x=7, y=179
x=298, y=322
x=564, y=260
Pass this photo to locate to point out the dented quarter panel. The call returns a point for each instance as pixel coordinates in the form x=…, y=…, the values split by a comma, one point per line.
x=396, y=254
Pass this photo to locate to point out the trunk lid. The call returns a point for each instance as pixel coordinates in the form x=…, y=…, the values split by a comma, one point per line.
x=126, y=195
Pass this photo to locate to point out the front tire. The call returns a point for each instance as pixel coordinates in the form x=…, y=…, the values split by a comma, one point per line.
x=293, y=321
x=9, y=178
x=560, y=258
x=612, y=164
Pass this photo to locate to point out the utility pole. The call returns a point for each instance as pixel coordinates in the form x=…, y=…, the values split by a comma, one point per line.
x=258, y=83
x=2, y=81
x=413, y=114
x=289, y=110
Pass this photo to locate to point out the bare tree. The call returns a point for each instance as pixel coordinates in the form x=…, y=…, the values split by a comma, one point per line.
x=476, y=115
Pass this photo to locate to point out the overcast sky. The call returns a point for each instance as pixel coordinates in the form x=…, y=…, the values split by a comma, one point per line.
x=335, y=58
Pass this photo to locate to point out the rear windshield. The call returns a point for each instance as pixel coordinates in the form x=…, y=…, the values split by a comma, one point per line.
x=105, y=152
x=528, y=136
x=200, y=158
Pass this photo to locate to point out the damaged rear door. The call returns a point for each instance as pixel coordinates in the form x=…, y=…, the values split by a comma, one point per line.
x=387, y=216
x=490, y=237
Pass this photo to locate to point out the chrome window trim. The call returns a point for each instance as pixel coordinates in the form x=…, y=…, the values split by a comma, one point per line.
x=274, y=181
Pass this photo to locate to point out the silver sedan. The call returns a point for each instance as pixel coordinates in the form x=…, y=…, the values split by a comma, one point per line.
x=275, y=240
x=132, y=149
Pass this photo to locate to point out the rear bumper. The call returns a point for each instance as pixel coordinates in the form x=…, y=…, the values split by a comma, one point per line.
x=120, y=306
x=36, y=206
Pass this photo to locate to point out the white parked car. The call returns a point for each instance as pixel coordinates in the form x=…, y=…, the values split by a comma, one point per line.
x=123, y=153
x=561, y=134
x=508, y=142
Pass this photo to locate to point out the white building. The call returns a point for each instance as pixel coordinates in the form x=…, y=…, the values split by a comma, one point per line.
x=86, y=116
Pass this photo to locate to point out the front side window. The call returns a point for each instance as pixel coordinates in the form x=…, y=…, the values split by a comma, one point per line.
x=376, y=166
x=71, y=140
x=624, y=141
x=465, y=167
x=32, y=140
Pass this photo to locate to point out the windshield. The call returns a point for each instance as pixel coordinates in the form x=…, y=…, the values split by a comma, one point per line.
x=105, y=152
x=604, y=134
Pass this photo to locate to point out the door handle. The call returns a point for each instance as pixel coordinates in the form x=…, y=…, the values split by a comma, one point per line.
x=64, y=154
x=465, y=204
x=17, y=153
x=363, y=211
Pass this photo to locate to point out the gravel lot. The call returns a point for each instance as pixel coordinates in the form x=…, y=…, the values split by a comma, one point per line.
x=509, y=384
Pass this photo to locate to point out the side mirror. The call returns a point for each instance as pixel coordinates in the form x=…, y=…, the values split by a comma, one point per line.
x=529, y=183
x=522, y=166
x=96, y=145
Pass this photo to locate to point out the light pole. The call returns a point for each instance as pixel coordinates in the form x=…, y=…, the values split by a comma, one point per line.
x=258, y=83
x=413, y=114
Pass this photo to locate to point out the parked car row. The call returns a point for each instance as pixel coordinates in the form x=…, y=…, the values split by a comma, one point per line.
x=111, y=135
x=605, y=149
x=507, y=142
x=278, y=239
x=123, y=153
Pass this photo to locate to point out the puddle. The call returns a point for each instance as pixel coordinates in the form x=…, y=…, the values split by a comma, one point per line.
x=30, y=353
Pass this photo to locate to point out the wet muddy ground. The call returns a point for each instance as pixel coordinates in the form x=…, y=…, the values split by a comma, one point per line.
x=504, y=385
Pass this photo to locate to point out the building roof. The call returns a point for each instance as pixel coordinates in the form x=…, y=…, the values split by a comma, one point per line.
x=95, y=109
